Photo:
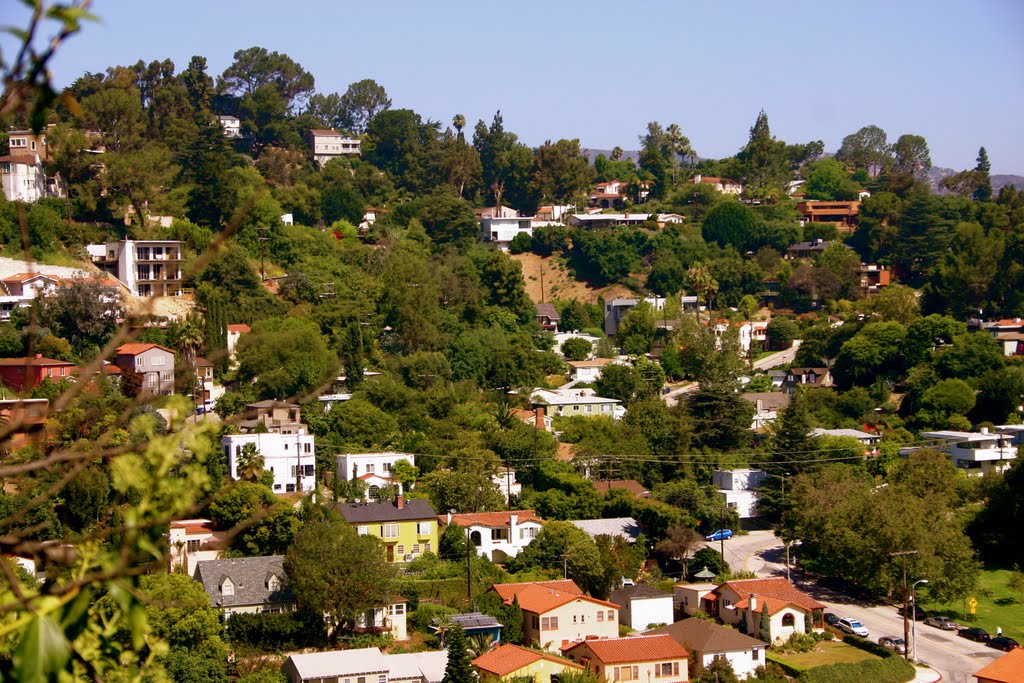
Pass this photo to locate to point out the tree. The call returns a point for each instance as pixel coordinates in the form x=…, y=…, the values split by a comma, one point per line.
x=250, y=463
x=667, y=276
x=984, y=191
x=636, y=329
x=618, y=381
x=710, y=558
x=87, y=497
x=715, y=412
x=867, y=149
x=871, y=353
x=700, y=280
x=731, y=223
x=912, y=157
x=679, y=545
x=763, y=162
x=244, y=502
x=458, y=669
x=361, y=103
x=85, y=312
x=576, y=348
x=781, y=333
x=286, y=357
x=337, y=572
x=561, y=172
x=656, y=158
x=827, y=179
x=561, y=545
x=720, y=670
x=255, y=67
x=764, y=627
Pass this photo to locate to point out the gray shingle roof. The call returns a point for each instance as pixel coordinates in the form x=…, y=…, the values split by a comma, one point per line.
x=624, y=527
x=249, y=575
x=636, y=592
x=707, y=637
x=360, y=513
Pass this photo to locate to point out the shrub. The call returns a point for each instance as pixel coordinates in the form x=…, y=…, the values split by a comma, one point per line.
x=799, y=642
x=277, y=631
x=891, y=670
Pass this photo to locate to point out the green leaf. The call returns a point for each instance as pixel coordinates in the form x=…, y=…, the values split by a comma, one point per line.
x=137, y=621
x=42, y=652
x=76, y=614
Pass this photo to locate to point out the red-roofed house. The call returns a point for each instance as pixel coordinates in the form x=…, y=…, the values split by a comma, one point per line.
x=20, y=289
x=498, y=535
x=1007, y=669
x=723, y=185
x=557, y=613
x=191, y=541
x=149, y=366
x=235, y=333
x=23, y=374
x=741, y=602
x=630, y=485
x=511, y=661
x=643, y=659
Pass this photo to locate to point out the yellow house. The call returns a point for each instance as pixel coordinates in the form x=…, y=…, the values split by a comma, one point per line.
x=511, y=661
x=407, y=529
x=643, y=659
x=556, y=613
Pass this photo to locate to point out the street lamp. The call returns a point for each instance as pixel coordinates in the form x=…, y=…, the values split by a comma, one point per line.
x=913, y=626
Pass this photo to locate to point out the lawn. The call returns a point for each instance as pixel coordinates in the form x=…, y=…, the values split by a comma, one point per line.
x=997, y=606
x=827, y=652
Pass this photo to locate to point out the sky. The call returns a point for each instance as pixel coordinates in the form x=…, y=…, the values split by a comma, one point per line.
x=952, y=71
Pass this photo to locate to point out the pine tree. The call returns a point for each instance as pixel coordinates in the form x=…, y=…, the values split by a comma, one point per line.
x=458, y=669
x=984, y=191
x=792, y=440
x=764, y=629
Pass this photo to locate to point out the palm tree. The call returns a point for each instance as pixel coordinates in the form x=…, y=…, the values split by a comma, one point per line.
x=250, y=463
x=190, y=339
x=702, y=282
x=480, y=643
x=459, y=121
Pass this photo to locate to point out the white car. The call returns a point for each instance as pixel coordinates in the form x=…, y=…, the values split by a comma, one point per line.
x=851, y=625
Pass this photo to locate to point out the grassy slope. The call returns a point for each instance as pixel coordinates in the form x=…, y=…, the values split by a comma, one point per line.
x=997, y=606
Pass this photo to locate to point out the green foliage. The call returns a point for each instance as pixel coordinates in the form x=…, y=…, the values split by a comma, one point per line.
x=243, y=502
x=286, y=357
x=868, y=646
x=731, y=224
x=620, y=382
x=891, y=670
x=577, y=349
x=458, y=669
x=277, y=632
x=560, y=542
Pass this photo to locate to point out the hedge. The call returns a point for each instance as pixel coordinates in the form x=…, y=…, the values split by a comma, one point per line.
x=891, y=670
x=868, y=646
x=277, y=632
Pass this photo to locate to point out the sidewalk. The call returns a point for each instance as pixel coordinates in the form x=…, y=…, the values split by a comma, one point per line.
x=926, y=675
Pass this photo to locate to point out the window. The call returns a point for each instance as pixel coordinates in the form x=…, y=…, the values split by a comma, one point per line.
x=426, y=547
x=369, y=468
x=152, y=380
x=289, y=488
x=166, y=377
x=273, y=583
x=140, y=362
x=600, y=615
x=362, y=530
x=158, y=360
x=193, y=546
x=787, y=619
x=611, y=615
x=226, y=587
x=389, y=531
x=307, y=448
x=528, y=533
x=535, y=622
x=627, y=673
x=663, y=669
x=415, y=548
x=397, y=608
x=400, y=549
x=422, y=528
x=360, y=679
x=549, y=624
x=387, y=467
x=588, y=409
x=755, y=655
x=382, y=678
x=309, y=470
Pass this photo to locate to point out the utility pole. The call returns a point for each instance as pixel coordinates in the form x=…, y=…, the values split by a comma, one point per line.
x=263, y=251
x=906, y=600
x=721, y=537
x=469, y=568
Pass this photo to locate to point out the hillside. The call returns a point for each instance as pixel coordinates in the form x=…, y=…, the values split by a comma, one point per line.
x=558, y=282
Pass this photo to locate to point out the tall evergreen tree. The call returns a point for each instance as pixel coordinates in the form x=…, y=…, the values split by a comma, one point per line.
x=764, y=161
x=792, y=440
x=764, y=628
x=984, y=191
x=458, y=669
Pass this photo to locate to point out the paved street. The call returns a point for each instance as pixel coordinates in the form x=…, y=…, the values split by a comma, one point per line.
x=954, y=657
x=784, y=357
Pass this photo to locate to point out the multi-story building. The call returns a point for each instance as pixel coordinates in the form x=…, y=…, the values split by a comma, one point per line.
x=355, y=465
x=20, y=289
x=643, y=659
x=508, y=662
x=842, y=214
x=329, y=144
x=976, y=453
x=556, y=613
x=738, y=488
x=248, y=585
x=146, y=267
x=23, y=179
x=23, y=374
x=232, y=126
x=873, y=277
x=642, y=607
x=723, y=185
x=290, y=457
x=498, y=536
x=151, y=364
x=191, y=541
x=407, y=529
x=501, y=231
x=707, y=641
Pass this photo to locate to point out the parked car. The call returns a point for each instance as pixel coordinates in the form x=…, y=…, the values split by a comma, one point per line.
x=721, y=534
x=915, y=613
x=851, y=625
x=945, y=623
x=1003, y=643
x=974, y=633
x=893, y=643
x=831, y=619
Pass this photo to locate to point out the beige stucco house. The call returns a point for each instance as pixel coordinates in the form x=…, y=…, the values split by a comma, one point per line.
x=557, y=613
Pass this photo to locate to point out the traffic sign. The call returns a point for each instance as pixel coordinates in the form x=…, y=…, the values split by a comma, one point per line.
x=973, y=603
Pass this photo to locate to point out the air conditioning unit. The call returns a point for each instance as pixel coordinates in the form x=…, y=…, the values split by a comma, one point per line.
x=408, y=558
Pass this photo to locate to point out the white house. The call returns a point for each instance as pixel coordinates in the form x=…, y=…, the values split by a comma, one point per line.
x=707, y=641
x=146, y=267
x=500, y=231
x=498, y=536
x=577, y=403
x=588, y=370
x=723, y=185
x=366, y=665
x=354, y=465
x=642, y=607
x=329, y=144
x=975, y=452
x=506, y=483
x=291, y=458
x=740, y=603
x=616, y=309
x=767, y=405
x=192, y=541
x=23, y=179
x=562, y=337
x=1015, y=432
x=739, y=489
x=20, y=289
x=689, y=598
x=232, y=126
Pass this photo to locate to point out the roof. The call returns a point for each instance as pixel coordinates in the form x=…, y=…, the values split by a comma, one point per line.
x=324, y=131
x=249, y=575
x=240, y=328
x=776, y=588
x=509, y=590
x=624, y=527
x=597, y=362
x=541, y=597
x=565, y=451
x=417, y=666
x=854, y=433
x=203, y=363
x=770, y=400
x=35, y=360
x=634, y=649
x=1007, y=669
x=508, y=658
x=272, y=403
x=21, y=159
x=631, y=485
x=492, y=519
x=25, y=277
x=639, y=591
x=548, y=311
x=472, y=621
x=358, y=513
x=344, y=662
x=707, y=636
x=805, y=371
x=194, y=526
x=137, y=348
x=560, y=397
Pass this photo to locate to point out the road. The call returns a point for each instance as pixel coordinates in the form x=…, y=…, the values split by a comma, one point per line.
x=954, y=657
x=784, y=357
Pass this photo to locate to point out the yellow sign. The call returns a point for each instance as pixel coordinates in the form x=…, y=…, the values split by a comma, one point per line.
x=973, y=610
x=973, y=603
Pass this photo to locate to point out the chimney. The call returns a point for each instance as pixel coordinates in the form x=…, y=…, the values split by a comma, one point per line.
x=449, y=517
x=400, y=502
x=984, y=430
x=513, y=520
x=39, y=355
x=539, y=422
x=753, y=603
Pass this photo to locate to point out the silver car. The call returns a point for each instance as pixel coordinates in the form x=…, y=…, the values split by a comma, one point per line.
x=945, y=623
x=894, y=643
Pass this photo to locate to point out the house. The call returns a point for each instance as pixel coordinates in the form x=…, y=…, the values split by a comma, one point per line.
x=329, y=144
x=1012, y=343
x=976, y=453
x=807, y=250
x=232, y=126
x=206, y=392
x=616, y=309
x=25, y=141
x=868, y=439
x=873, y=277
x=235, y=333
x=365, y=665
x=26, y=420
x=23, y=179
x=24, y=374
x=610, y=194
x=498, y=536
x=353, y=465
x=689, y=598
x=842, y=214
x=150, y=365
x=1007, y=669
x=472, y=624
x=814, y=378
x=589, y=370
x=511, y=662
x=20, y=289
x=723, y=185
x=407, y=529
x=630, y=486
x=738, y=488
x=534, y=417
x=749, y=333
x=506, y=483
x=500, y=231
x=1015, y=432
x=547, y=317
x=639, y=658
x=607, y=220
x=767, y=405
x=192, y=541
x=554, y=213
x=577, y=403
x=145, y=267
x=556, y=613
x=290, y=456
x=642, y=607
x=626, y=528
x=495, y=212
x=740, y=604
x=707, y=641
x=246, y=584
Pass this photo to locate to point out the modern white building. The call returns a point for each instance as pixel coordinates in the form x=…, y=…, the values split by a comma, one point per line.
x=232, y=126
x=366, y=665
x=291, y=458
x=588, y=370
x=977, y=453
x=355, y=465
x=500, y=231
x=498, y=536
x=191, y=541
x=642, y=607
x=739, y=489
x=23, y=179
x=562, y=337
x=146, y=267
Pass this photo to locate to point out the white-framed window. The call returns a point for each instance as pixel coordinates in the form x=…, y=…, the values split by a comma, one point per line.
x=158, y=360
x=549, y=623
x=152, y=380
x=369, y=468
x=387, y=467
x=627, y=673
x=227, y=587
x=527, y=533
x=422, y=528
x=193, y=545
x=140, y=362
x=600, y=615
x=663, y=669
x=166, y=377
x=362, y=530
x=389, y=531
x=611, y=615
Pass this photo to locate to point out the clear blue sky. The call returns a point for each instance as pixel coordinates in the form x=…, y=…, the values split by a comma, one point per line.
x=950, y=71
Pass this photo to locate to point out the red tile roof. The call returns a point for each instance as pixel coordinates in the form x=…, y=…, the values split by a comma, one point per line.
x=37, y=360
x=194, y=526
x=635, y=649
x=776, y=590
x=1007, y=669
x=491, y=519
x=508, y=658
x=240, y=328
x=137, y=348
x=509, y=590
x=25, y=277
x=541, y=597
x=203, y=363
